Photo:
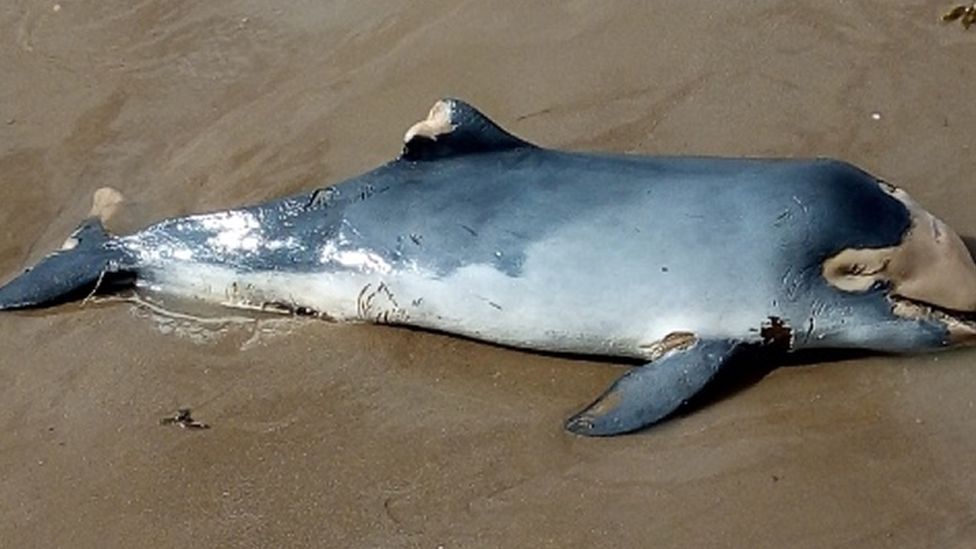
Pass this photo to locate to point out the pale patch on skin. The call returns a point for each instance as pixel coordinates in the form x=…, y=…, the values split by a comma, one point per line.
x=931, y=264
x=438, y=122
x=69, y=244
x=105, y=203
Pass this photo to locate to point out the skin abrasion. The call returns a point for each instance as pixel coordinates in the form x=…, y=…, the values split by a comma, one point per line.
x=671, y=342
x=438, y=122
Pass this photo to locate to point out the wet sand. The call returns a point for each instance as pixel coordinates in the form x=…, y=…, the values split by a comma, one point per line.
x=364, y=436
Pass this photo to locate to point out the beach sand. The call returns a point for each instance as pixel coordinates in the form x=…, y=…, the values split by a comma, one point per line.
x=327, y=435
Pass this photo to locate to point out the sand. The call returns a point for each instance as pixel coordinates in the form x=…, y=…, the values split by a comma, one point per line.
x=361, y=436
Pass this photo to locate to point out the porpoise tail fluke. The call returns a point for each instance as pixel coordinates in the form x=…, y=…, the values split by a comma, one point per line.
x=90, y=259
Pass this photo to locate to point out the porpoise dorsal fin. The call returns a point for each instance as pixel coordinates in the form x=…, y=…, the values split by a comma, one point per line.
x=455, y=128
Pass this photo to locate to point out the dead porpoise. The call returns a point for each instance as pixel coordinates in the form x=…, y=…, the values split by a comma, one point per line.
x=681, y=262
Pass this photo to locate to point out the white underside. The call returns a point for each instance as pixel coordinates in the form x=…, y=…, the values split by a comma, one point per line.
x=538, y=311
x=591, y=287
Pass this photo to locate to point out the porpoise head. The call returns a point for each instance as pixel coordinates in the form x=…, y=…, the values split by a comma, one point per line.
x=929, y=275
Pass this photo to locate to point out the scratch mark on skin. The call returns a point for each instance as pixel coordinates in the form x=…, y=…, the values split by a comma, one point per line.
x=366, y=191
x=322, y=198
x=360, y=301
x=386, y=290
x=489, y=302
x=380, y=305
x=352, y=229
x=786, y=215
x=416, y=238
x=800, y=204
x=470, y=231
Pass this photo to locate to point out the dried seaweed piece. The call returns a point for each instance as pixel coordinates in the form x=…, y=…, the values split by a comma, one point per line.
x=965, y=14
x=955, y=13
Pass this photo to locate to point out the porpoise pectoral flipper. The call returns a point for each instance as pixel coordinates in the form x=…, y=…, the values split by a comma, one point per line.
x=648, y=394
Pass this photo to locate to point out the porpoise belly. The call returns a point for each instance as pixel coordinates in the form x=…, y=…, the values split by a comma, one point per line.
x=610, y=297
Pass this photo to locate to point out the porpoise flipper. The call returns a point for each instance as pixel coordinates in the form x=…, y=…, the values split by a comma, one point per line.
x=648, y=394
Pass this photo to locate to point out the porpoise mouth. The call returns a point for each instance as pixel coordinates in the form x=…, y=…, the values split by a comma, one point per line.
x=961, y=325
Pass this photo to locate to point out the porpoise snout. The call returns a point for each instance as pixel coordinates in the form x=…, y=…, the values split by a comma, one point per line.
x=930, y=265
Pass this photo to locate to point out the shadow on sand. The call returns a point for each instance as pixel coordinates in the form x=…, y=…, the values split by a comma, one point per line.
x=750, y=367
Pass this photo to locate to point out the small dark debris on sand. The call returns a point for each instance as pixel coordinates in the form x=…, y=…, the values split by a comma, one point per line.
x=183, y=418
x=965, y=14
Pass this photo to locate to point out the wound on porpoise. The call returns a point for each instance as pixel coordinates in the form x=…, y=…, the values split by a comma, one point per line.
x=671, y=342
x=776, y=333
x=282, y=307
